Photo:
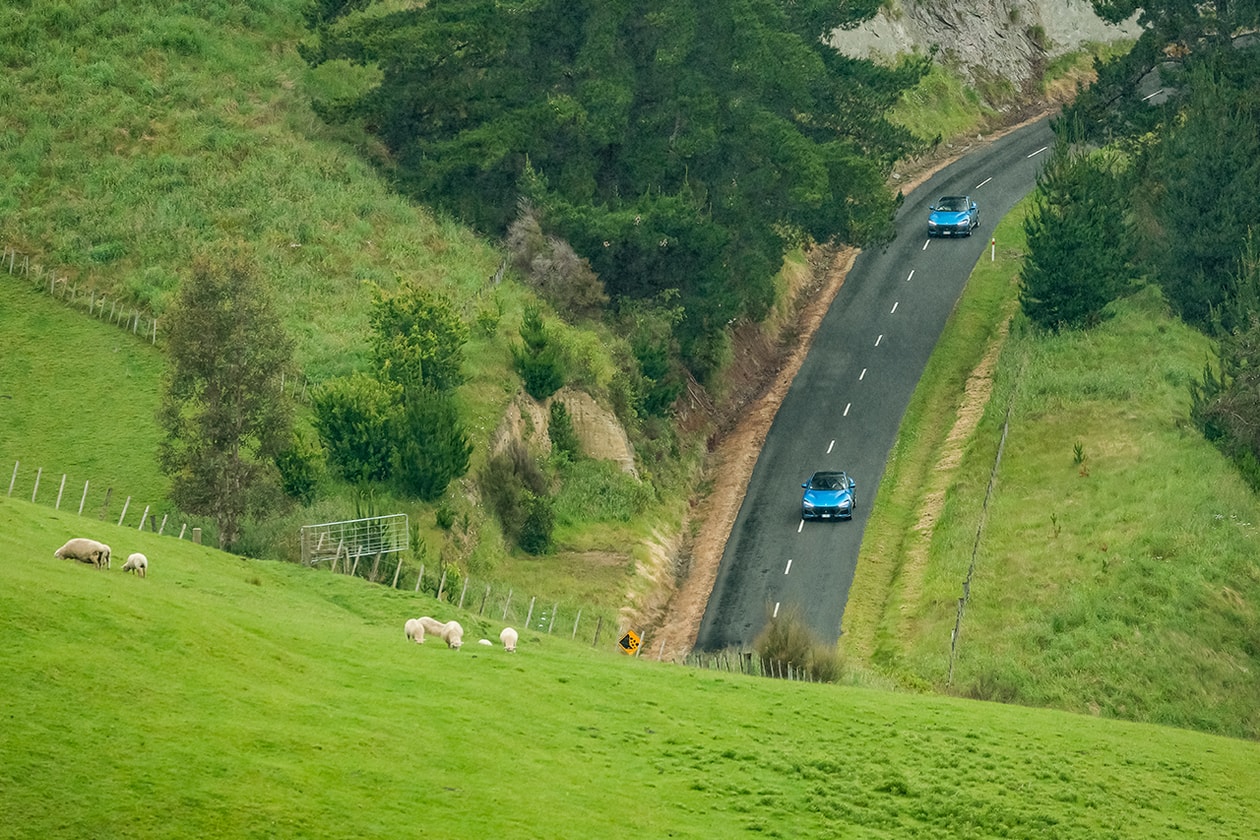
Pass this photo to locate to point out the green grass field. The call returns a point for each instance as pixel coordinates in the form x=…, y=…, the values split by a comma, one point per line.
x=229, y=697
x=1117, y=579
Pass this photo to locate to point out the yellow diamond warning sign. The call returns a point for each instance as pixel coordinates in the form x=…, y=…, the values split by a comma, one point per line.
x=629, y=642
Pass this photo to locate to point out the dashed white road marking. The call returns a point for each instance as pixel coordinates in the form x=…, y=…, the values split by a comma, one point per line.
x=926, y=243
x=800, y=527
x=830, y=447
x=846, y=409
x=1039, y=151
x=862, y=375
x=776, y=610
x=908, y=276
x=878, y=340
x=982, y=183
x=789, y=567
x=895, y=305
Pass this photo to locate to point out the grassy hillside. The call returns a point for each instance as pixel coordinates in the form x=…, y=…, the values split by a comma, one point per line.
x=78, y=397
x=1114, y=570
x=229, y=697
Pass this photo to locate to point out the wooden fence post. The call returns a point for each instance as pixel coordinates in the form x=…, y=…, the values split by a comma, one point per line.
x=162, y=527
x=397, y=569
x=481, y=610
x=38, y=473
x=462, y=593
x=60, y=490
x=144, y=517
x=505, y=604
x=529, y=617
x=420, y=577
x=13, y=480
x=196, y=536
x=575, y=624
x=123, y=515
x=552, y=623
x=442, y=584
x=598, y=626
x=83, y=500
x=109, y=491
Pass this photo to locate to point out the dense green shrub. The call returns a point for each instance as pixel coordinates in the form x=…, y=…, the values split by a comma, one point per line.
x=355, y=417
x=301, y=466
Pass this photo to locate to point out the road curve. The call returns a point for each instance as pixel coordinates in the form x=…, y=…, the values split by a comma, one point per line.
x=843, y=408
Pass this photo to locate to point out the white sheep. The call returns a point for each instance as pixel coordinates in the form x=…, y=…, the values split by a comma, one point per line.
x=85, y=551
x=431, y=625
x=508, y=637
x=137, y=563
x=485, y=642
x=453, y=634
x=414, y=630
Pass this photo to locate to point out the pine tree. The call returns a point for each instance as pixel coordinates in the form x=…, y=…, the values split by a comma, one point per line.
x=431, y=448
x=538, y=358
x=1078, y=258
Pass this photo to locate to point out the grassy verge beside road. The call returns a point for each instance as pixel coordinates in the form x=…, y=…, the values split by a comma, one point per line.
x=1115, y=571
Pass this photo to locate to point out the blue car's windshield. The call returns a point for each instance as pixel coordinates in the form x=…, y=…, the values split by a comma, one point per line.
x=827, y=482
x=952, y=203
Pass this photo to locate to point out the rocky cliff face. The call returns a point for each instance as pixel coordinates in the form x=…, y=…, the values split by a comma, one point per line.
x=988, y=41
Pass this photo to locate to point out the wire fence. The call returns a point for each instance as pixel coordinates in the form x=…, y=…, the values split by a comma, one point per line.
x=752, y=664
x=93, y=501
x=84, y=295
x=975, y=547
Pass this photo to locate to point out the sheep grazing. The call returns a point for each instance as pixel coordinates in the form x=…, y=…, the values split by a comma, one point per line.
x=485, y=642
x=431, y=625
x=414, y=630
x=85, y=551
x=508, y=637
x=453, y=634
x=137, y=563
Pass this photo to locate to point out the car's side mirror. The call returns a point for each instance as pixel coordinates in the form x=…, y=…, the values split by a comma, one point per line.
x=973, y=205
x=806, y=485
x=931, y=206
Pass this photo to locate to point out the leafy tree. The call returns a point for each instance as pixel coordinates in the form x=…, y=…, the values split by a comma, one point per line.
x=538, y=358
x=1078, y=258
x=681, y=145
x=418, y=338
x=300, y=465
x=356, y=417
x=223, y=413
x=431, y=448
x=553, y=268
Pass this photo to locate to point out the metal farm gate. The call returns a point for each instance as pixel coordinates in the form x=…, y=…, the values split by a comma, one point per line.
x=355, y=538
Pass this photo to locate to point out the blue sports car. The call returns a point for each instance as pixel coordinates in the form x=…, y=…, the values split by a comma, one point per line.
x=829, y=495
x=953, y=215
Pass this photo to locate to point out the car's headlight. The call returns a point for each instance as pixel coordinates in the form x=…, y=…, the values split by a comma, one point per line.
x=931, y=223
x=806, y=503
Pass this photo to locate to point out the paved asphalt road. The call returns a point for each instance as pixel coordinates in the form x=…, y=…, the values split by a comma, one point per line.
x=846, y=403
